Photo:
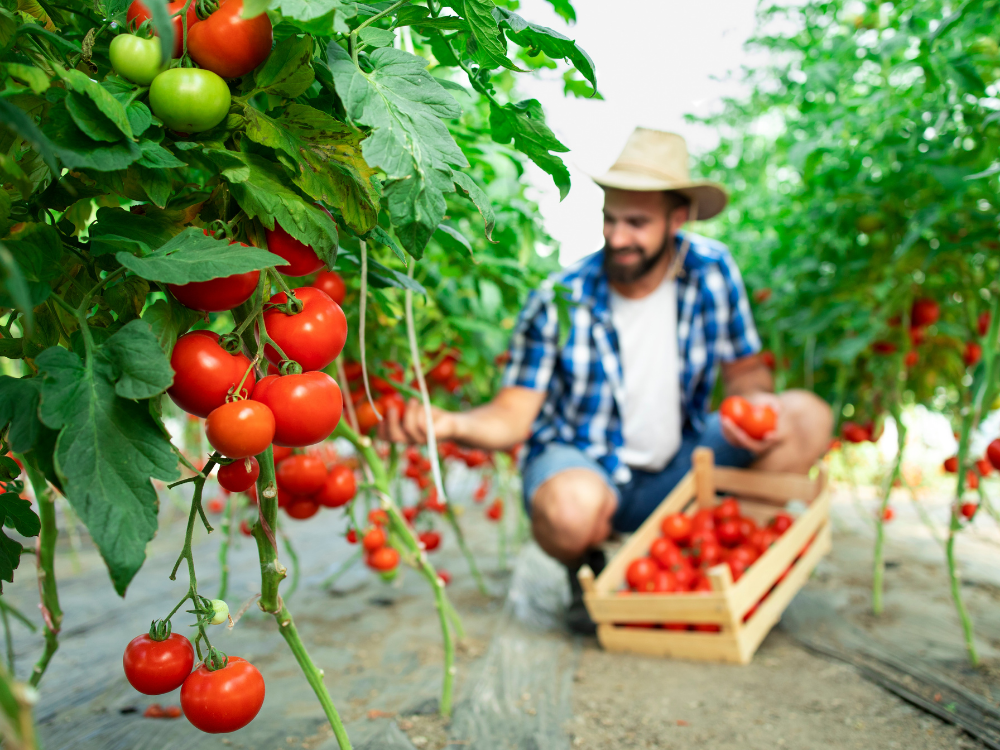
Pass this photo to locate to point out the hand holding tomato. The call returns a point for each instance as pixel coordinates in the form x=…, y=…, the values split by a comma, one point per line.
x=754, y=423
x=411, y=425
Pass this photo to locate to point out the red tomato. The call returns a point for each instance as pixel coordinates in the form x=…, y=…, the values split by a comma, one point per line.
x=154, y=711
x=378, y=517
x=280, y=453
x=217, y=295
x=854, y=433
x=216, y=505
x=394, y=402
x=240, y=428
x=747, y=527
x=769, y=360
x=911, y=358
x=708, y=553
x=925, y=312
x=664, y=582
x=431, y=540
x=984, y=467
x=993, y=453
x=245, y=528
x=887, y=515
x=735, y=408
x=951, y=465
x=306, y=406
x=969, y=509
x=373, y=539
x=301, y=475
x=917, y=336
x=338, y=489
x=367, y=418
x=727, y=509
x=228, y=44
x=883, y=348
x=332, y=285
x=781, y=523
x=301, y=507
x=495, y=511
x=476, y=458
x=640, y=572
x=302, y=259
x=384, y=558
x=686, y=576
x=760, y=422
x=702, y=584
x=137, y=13
x=482, y=490
x=313, y=337
x=703, y=520
x=972, y=354
x=729, y=532
x=224, y=700
x=410, y=513
x=351, y=536
x=444, y=575
x=972, y=480
x=236, y=477
x=676, y=527
x=443, y=371
x=702, y=536
x=983, y=323
x=205, y=373
x=157, y=667
x=665, y=553
x=737, y=567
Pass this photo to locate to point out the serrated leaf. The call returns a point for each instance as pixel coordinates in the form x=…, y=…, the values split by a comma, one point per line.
x=102, y=99
x=18, y=513
x=117, y=229
x=194, y=256
x=288, y=69
x=307, y=10
x=479, y=198
x=107, y=451
x=141, y=369
x=38, y=250
x=127, y=298
x=375, y=37
x=524, y=124
x=324, y=155
x=486, y=44
x=156, y=183
x=156, y=156
x=19, y=411
x=380, y=235
x=90, y=119
x=549, y=41
x=167, y=320
x=403, y=104
x=139, y=117
x=78, y=151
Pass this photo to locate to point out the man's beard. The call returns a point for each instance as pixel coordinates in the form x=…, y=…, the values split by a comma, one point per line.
x=628, y=274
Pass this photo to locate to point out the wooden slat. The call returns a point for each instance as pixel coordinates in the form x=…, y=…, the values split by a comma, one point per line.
x=768, y=567
x=767, y=485
x=691, y=608
x=586, y=578
x=769, y=612
x=721, y=579
x=638, y=544
x=676, y=644
x=703, y=460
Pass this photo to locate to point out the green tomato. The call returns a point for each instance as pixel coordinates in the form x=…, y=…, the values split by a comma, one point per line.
x=389, y=575
x=189, y=100
x=135, y=58
x=221, y=611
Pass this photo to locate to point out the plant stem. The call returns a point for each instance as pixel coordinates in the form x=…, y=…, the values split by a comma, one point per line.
x=8, y=637
x=956, y=590
x=271, y=574
x=452, y=519
x=344, y=567
x=227, y=538
x=294, y=583
x=48, y=592
x=878, y=564
x=353, y=40
x=362, y=305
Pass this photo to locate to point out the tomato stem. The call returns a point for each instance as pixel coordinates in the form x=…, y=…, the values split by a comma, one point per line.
x=47, y=589
x=232, y=505
x=878, y=563
x=363, y=300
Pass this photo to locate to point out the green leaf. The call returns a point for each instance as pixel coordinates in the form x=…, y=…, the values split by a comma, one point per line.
x=36, y=79
x=266, y=194
x=168, y=319
x=479, y=198
x=156, y=183
x=10, y=557
x=324, y=155
x=551, y=42
x=18, y=513
x=19, y=411
x=38, y=250
x=524, y=123
x=16, y=287
x=375, y=37
x=78, y=151
x=108, y=450
x=382, y=276
x=486, y=44
x=564, y=8
x=101, y=98
x=307, y=10
x=12, y=117
x=378, y=234
x=127, y=298
x=141, y=368
x=288, y=69
x=118, y=229
x=454, y=239
x=194, y=256
x=139, y=117
x=12, y=348
x=156, y=156
x=90, y=119
x=163, y=23
x=403, y=104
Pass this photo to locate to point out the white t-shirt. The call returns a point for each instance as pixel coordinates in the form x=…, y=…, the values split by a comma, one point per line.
x=647, y=340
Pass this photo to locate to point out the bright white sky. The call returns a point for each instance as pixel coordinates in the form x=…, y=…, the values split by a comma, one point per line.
x=656, y=61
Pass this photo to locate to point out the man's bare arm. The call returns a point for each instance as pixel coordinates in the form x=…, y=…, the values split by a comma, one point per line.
x=498, y=425
x=746, y=376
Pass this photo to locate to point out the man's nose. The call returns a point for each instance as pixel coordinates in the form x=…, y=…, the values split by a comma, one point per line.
x=618, y=236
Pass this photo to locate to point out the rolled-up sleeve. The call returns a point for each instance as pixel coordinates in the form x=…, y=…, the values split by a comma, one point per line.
x=740, y=330
x=534, y=344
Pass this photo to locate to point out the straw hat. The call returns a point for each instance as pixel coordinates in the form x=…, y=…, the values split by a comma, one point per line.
x=654, y=160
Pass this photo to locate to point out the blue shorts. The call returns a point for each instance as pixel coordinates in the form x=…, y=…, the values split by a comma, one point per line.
x=640, y=496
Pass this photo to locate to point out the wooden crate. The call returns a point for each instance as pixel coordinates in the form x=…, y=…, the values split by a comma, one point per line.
x=761, y=495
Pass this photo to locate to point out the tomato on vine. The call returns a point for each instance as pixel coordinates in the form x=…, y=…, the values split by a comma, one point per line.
x=430, y=539
x=993, y=453
x=228, y=44
x=225, y=699
x=301, y=474
x=301, y=507
x=156, y=665
x=237, y=477
x=138, y=14
x=217, y=295
x=312, y=337
x=240, y=428
x=306, y=406
x=384, y=559
x=136, y=59
x=205, y=373
x=373, y=539
x=338, y=489
x=189, y=100
x=331, y=284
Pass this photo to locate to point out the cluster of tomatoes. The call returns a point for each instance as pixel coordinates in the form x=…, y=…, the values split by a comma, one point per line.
x=756, y=420
x=385, y=394
x=223, y=43
x=375, y=541
x=215, y=697
x=679, y=559
x=856, y=433
x=984, y=467
x=443, y=373
x=306, y=483
x=923, y=314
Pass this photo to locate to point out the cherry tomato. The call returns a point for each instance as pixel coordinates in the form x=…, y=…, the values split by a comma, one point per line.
x=676, y=527
x=367, y=419
x=951, y=465
x=735, y=408
x=301, y=475
x=972, y=354
x=729, y=532
x=983, y=323
x=664, y=582
x=378, y=517
x=216, y=505
x=138, y=13
x=135, y=59
x=911, y=358
x=727, y=509
x=306, y=406
x=444, y=575
x=189, y=100
x=430, y=539
x=781, y=523
x=228, y=44
x=280, y=453
x=302, y=259
x=217, y=295
x=245, y=528
x=384, y=558
x=410, y=513
x=703, y=520
x=640, y=572
x=971, y=480
x=443, y=371
x=351, y=536
x=887, y=515
x=224, y=700
x=237, y=477
x=301, y=507
x=854, y=433
x=495, y=511
x=969, y=509
x=373, y=539
x=925, y=312
x=984, y=467
x=240, y=428
x=154, y=711
x=205, y=373
x=338, y=489
x=331, y=284
x=993, y=453
x=156, y=667
x=313, y=337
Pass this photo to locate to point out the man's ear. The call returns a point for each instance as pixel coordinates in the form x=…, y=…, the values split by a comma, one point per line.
x=678, y=218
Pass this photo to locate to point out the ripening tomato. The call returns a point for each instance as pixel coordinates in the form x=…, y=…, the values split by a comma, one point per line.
x=925, y=312
x=969, y=509
x=984, y=467
x=495, y=511
x=378, y=517
x=665, y=553
x=313, y=337
x=189, y=100
x=217, y=295
x=156, y=667
x=135, y=59
x=983, y=323
x=729, y=508
x=138, y=13
x=240, y=428
x=384, y=558
x=676, y=527
x=205, y=373
x=223, y=700
x=373, y=539
x=640, y=572
x=239, y=475
x=301, y=474
x=729, y=533
x=228, y=44
x=306, y=406
x=993, y=453
x=972, y=354
x=971, y=480
x=330, y=283
x=301, y=507
x=430, y=539
x=735, y=409
x=302, y=259
x=854, y=433
x=338, y=489
x=781, y=523
x=951, y=465
x=760, y=422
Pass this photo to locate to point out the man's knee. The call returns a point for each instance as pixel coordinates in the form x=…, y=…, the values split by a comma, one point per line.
x=568, y=511
x=811, y=418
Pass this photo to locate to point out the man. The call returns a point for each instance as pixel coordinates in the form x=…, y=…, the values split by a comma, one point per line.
x=613, y=413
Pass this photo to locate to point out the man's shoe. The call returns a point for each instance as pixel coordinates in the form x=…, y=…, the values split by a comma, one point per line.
x=577, y=618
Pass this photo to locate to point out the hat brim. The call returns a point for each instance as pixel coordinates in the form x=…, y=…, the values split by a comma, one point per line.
x=711, y=197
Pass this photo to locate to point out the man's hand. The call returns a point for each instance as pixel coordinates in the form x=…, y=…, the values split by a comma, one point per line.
x=411, y=426
x=736, y=436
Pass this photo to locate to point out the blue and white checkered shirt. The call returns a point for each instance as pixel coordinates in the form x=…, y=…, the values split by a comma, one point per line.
x=583, y=378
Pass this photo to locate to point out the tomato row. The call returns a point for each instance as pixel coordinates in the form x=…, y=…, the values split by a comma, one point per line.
x=305, y=485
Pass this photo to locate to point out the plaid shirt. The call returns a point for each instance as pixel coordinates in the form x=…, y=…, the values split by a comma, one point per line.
x=583, y=378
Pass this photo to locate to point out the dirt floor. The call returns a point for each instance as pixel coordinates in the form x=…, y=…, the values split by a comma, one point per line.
x=523, y=682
